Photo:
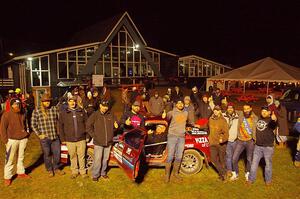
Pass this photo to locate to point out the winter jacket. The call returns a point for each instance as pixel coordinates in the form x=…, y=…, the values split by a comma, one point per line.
x=205, y=109
x=68, y=121
x=218, y=129
x=101, y=128
x=265, y=132
x=175, y=96
x=13, y=126
x=283, y=128
x=156, y=106
x=232, y=121
x=191, y=112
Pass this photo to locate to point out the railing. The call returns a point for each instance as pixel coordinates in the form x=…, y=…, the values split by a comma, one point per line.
x=7, y=82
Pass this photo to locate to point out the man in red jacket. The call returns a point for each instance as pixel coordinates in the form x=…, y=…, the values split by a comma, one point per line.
x=14, y=136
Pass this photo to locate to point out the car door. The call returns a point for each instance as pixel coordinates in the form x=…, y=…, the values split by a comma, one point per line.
x=128, y=151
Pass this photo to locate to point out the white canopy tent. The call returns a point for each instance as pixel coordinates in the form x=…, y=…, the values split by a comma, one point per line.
x=264, y=70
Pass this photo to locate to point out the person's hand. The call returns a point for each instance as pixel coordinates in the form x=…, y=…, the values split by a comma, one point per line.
x=273, y=116
x=150, y=131
x=164, y=114
x=128, y=121
x=210, y=99
x=42, y=136
x=116, y=125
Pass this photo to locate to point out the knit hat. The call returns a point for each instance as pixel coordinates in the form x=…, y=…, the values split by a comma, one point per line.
x=230, y=104
x=265, y=108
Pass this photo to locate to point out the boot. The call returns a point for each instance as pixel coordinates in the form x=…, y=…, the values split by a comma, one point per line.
x=167, y=172
x=176, y=168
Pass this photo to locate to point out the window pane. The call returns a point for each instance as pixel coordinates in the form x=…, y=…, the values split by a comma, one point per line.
x=35, y=64
x=62, y=68
x=107, y=54
x=156, y=57
x=115, y=53
x=130, y=70
x=137, y=56
x=90, y=52
x=45, y=79
x=72, y=69
x=72, y=55
x=129, y=41
x=107, y=69
x=81, y=55
x=136, y=70
x=115, y=40
x=122, y=36
x=62, y=56
x=44, y=63
x=36, y=78
x=129, y=53
x=122, y=54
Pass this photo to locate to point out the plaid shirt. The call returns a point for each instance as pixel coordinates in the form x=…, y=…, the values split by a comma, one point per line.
x=46, y=126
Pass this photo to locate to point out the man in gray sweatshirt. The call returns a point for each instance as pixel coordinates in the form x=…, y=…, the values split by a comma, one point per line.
x=176, y=138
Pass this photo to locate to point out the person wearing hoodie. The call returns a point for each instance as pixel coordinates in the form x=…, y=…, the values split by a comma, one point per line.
x=100, y=126
x=246, y=134
x=264, y=145
x=15, y=137
x=270, y=103
x=232, y=118
x=156, y=105
x=176, y=138
x=218, y=136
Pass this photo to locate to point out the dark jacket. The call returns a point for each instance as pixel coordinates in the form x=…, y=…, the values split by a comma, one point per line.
x=89, y=105
x=101, y=128
x=175, y=96
x=137, y=120
x=265, y=132
x=283, y=128
x=67, y=126
x=218, y=129
x=205, y=110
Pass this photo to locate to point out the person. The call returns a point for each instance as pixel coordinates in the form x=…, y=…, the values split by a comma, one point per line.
x=72, y=130
x=105, y=93
x=205, y=109
x=264, y=145
x=100, y=126
x=145, y=94
x=89, y=104
x=177, y=94
x=8, y=99
x=30, y=108
x=44, y=125
x=247, y=127
x=270, y=103
x=132, y=118
x=170, y=94
x=195, y=96
x=75, y=93
x=232, y=119
x=133, y=95
x=168, y=105
x=283, y=129
x=156, y=105
x=189, y=107
x=176, y=138
x=15, y=137
x=297, y=130
x=218, y=136
x=217, y=97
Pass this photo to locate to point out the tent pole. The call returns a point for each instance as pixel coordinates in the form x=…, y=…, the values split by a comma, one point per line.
x=268, y=88
x=244, y=87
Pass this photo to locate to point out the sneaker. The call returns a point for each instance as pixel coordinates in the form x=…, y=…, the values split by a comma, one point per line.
x=24, y=176
x=50, y=174
x=247, y=176
x=59, y=172
x=73, y=176
x=7, y=182
x=84, y=176
x=105, y=177
x=234, y=176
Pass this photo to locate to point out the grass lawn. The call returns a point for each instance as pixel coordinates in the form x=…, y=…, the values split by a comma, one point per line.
x=286, y=181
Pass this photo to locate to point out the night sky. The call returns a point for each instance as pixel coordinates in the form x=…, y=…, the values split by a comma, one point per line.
x=230, y=32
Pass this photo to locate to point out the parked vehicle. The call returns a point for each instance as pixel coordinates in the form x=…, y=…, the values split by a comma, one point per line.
x=291, y=100
x=131, y=146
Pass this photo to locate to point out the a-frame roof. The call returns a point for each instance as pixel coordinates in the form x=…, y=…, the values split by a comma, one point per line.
x=101, y=31
x=267, y=69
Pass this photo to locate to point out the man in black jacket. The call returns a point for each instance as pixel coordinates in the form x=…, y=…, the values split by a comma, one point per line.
x=264, y=144
x=72, y=132
x=100, y=126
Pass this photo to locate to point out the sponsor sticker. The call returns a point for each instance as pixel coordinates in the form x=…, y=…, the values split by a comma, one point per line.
x=201, y=140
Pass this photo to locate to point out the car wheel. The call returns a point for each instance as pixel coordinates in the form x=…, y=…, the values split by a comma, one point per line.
x=89, y=158
x=192, y=162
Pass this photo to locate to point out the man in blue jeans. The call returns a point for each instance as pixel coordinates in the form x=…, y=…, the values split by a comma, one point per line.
x=44, y=124
x=176, y=138
x=264, y=145
x=100, y=125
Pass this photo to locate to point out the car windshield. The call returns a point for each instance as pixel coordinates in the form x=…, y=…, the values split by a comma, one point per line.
x=134, y=138
x=291, y=95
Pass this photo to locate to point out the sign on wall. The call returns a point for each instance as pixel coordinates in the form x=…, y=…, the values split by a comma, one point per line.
x=98, y=80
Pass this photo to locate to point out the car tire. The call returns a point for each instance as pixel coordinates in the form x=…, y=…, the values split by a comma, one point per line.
x=192, y=162
x=89, y=158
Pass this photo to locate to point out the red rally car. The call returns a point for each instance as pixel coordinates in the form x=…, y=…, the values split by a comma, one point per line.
x=134, y=145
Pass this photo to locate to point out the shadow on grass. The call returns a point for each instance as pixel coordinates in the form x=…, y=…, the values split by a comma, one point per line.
x=36, y=164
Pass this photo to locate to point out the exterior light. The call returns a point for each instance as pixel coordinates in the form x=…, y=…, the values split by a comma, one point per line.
x=136, y=46
x=11, y=54
x=29, y=58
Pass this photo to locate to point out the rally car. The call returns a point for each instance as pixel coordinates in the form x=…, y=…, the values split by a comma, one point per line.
x=132, y=149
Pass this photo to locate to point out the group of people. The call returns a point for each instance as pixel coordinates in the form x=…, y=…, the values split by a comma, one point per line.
x=86, y=114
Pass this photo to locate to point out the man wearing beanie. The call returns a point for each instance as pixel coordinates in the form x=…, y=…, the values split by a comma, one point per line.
x=218, y=136
x=264, y=144
x=15, y=137
x=44, y=125
x=156, y=105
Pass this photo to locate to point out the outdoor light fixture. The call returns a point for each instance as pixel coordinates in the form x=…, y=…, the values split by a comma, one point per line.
x=11, y=54
x=137, y=46
x=29, y=58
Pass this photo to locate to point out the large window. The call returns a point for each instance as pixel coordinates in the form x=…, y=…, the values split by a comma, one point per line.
x=40, y=72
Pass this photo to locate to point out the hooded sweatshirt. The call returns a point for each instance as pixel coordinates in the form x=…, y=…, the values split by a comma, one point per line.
x=271, y=106
x=178, y=118
x=13, y=126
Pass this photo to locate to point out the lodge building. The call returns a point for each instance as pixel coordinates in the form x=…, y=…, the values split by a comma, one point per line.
x=113, y=48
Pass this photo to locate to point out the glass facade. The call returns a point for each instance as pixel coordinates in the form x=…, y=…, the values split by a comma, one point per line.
x=39, y=70
x=193, y=66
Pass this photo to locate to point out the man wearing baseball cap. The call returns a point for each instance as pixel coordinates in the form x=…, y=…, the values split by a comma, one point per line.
x=44, y=124
x=15, y=137
x=100, y=126
x=132, y=118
